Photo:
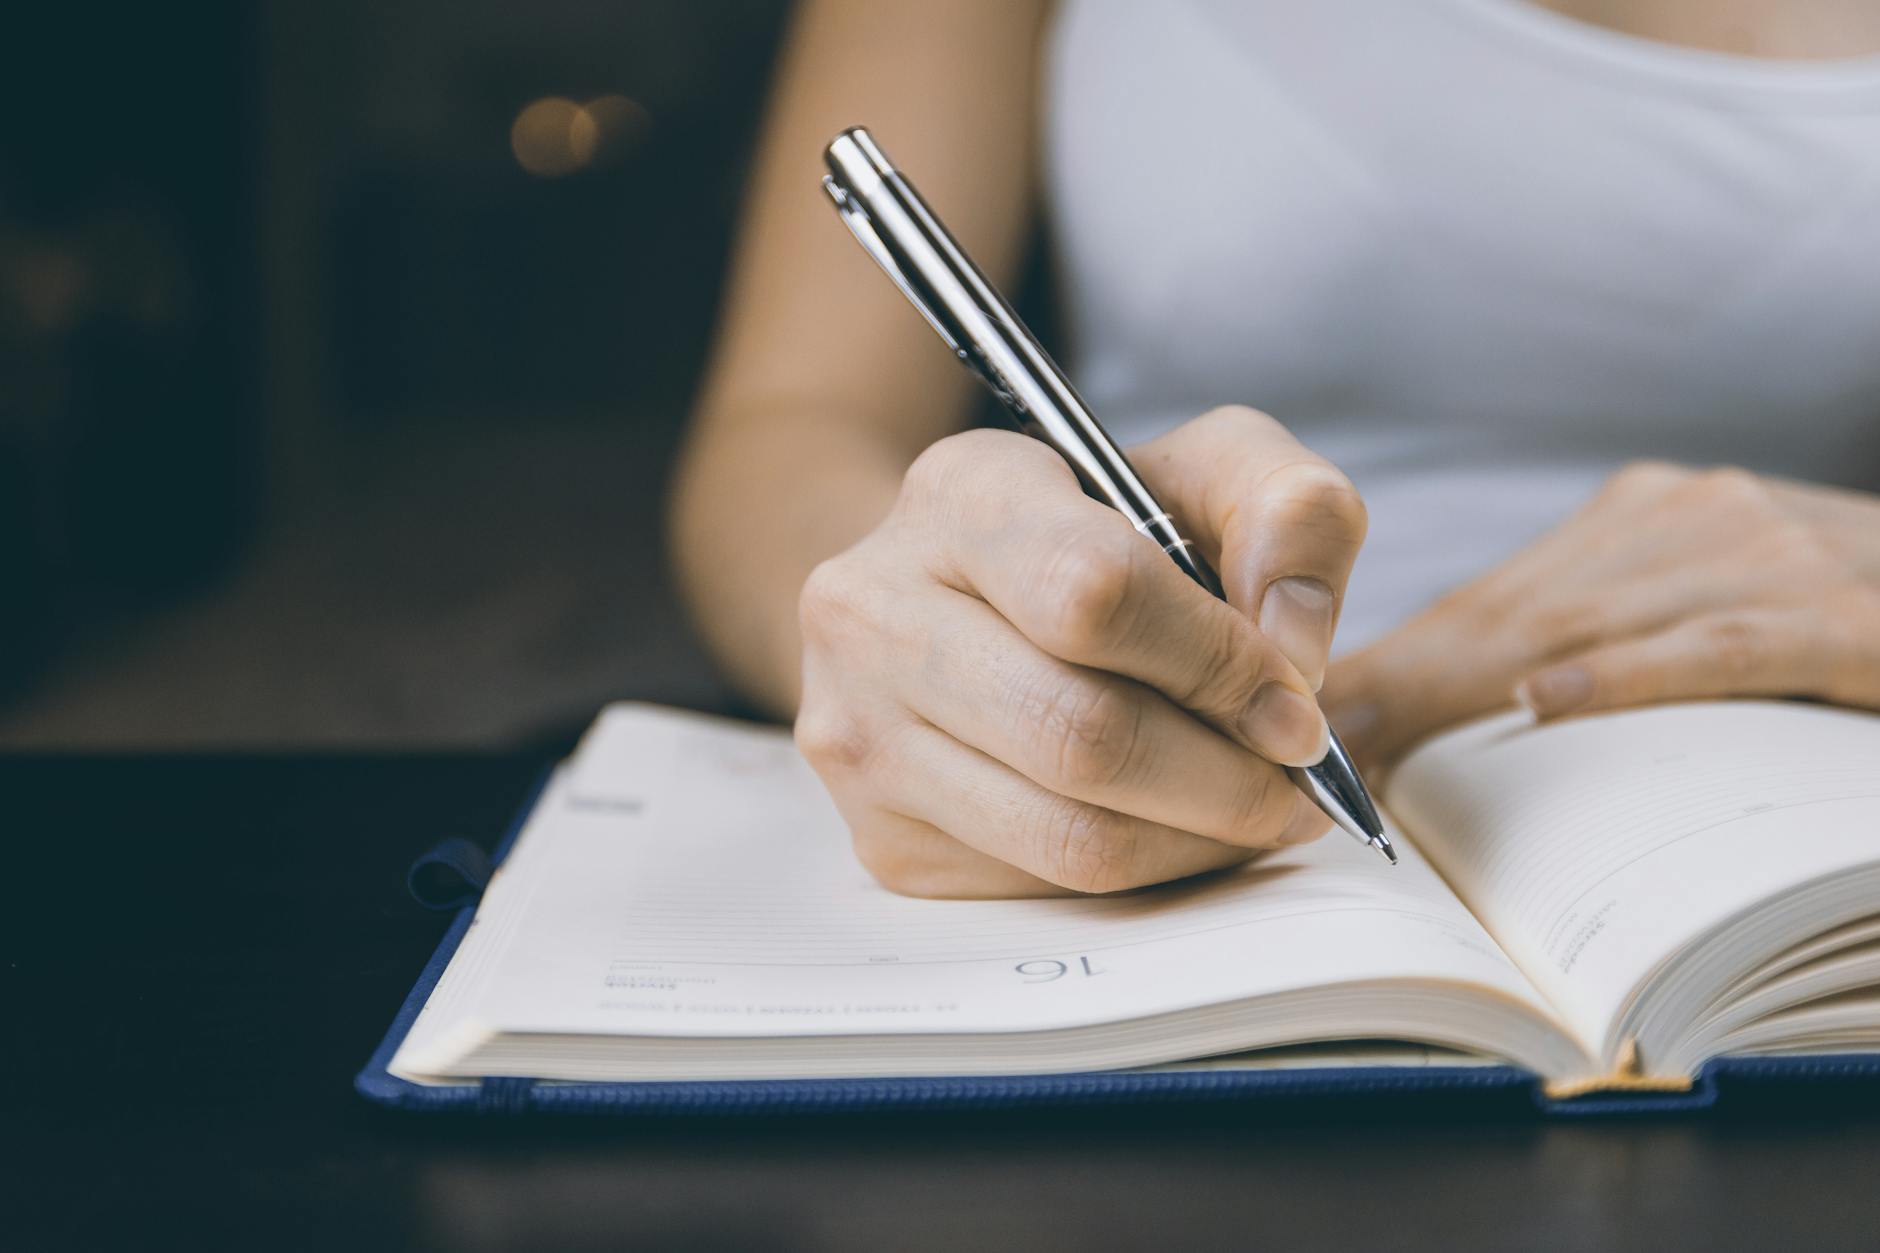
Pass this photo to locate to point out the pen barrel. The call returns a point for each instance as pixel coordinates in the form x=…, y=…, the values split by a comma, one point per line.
x=1160, y=530
x=891, y=221
x=927, y=263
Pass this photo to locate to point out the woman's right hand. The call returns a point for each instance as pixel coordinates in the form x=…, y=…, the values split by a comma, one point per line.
x=1009, y=692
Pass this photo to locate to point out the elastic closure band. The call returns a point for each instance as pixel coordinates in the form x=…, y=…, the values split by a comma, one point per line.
x=453, y=874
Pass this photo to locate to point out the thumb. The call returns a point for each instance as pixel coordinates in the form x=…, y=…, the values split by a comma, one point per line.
x=1281, y=523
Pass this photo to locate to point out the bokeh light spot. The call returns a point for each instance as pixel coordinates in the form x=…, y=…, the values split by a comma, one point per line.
x=552, y=137
x=620, y=123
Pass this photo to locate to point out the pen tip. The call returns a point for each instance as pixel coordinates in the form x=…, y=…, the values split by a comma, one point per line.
x=1382, y=844
x=1334, y=784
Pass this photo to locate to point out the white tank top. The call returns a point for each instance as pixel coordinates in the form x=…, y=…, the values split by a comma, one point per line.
x=1477, y=253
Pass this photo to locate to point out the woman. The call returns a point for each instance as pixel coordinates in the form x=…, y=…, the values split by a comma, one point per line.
x=1508, y=269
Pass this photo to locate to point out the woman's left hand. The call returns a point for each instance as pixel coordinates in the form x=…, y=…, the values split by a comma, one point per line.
x=1671, y=584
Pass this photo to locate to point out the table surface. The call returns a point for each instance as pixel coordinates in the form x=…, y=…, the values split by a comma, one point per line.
x=200, y=953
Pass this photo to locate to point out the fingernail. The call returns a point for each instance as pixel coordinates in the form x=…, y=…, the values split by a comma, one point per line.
x=1285, y=726
x=1296, y=614
x=1557, y=691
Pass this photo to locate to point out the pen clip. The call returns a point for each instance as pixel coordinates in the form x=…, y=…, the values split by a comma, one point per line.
x=855, y=217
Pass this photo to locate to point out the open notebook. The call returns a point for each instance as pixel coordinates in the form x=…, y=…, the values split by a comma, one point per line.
x=1606, y=902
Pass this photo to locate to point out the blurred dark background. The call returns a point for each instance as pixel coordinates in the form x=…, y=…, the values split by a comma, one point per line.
x=343, y=348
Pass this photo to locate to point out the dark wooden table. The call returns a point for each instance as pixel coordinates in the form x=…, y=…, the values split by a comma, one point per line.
x=199, y=953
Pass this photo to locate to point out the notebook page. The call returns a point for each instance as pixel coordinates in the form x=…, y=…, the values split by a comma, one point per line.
x=1595, y=847
x=690, y=877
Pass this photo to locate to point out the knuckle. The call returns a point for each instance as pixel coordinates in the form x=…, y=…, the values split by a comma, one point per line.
x=1645, y=478
x=1090, y=731
x=832, y=741
x=1089, y=586
x=1314, y=496
x=938, y=464
x=959, y=461
x=1092, y=850
x=831, y=599
x=1731, y=488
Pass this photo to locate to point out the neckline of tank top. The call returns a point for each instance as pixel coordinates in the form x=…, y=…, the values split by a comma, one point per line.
x=1738, y=77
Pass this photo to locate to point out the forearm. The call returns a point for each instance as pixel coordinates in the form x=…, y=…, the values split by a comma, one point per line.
x=824, y=385
x=759, y=500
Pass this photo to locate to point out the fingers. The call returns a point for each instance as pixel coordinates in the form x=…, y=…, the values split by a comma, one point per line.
x=916, y=858
x=1100, y=596
x=1008, y=691
x=1074, y=578
x=1752, y=652
x=1285, y=524
x=932, y=778
x=1089, y=735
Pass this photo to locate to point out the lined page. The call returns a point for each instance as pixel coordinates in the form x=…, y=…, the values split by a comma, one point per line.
x=1594, y=848
x=689, y=876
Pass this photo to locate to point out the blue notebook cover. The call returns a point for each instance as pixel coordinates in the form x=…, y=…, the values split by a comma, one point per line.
x=514, y=1094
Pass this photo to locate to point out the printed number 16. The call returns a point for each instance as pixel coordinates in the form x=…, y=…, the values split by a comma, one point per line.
x=1044, y=970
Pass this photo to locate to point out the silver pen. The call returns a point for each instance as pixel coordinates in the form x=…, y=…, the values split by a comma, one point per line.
x=897, y=228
